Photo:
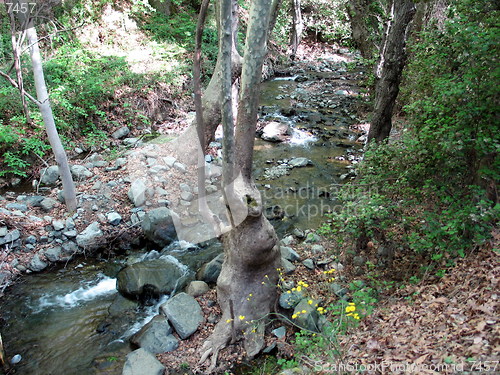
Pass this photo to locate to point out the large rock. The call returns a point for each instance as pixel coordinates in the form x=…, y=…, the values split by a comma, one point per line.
x=307, y=315
x=156, y=336
x=121, y=132
x=137, y=192
x=159, y=276
x=47, y=204
x=197, y=288
x=158, y=226
x=141, y=362
x=299, y=162
x=80, y=172
x=37, y=264
x=10, y=237
x=210, y=271
x=184, y=312
x=50, y=175
x=91, y=237
x=275, y=132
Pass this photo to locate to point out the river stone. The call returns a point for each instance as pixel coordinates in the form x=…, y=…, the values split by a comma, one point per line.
x=156, y=336
x=158, y=226
x=275, y=132
x=299, y=162
x=176, y=308
x=53, y=254
x=169, y=161
x=70, y=248
x=180, y=167
x=158, y=276
x=50, y=175
x=47, y=204
x=289, y=254
x=141, y=362
x=80, y=172
x=309, y=319
x=3, y=231
x=114, y=218
x=210, y=271
x=197, y=288
x=137, y=192
x=121, y=306
x=10, y=237
x=290, y=300
x=121, y=133
x=58, y=224
x=317, y=249
x=30, y=240
x=36, y=264
x=91, y=237
x=288, y=267
x=308, y=263
x=17, y=206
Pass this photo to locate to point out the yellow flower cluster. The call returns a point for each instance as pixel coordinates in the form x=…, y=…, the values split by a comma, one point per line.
x=294, y=316
x=329, y=271
x=350, y=308
x=321, y=310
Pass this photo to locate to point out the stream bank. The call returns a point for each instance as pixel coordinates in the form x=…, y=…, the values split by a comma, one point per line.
x=298, y=173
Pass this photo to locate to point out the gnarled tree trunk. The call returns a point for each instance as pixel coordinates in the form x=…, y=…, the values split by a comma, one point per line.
x=246, y=287
x=358, y=13
x=390, y=67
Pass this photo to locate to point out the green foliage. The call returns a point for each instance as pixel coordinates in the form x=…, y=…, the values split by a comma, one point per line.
x=326, y=21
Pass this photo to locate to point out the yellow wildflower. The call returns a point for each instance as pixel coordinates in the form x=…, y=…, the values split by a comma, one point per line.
x=310, y=302
x=294, y=316
x=229, y=320
x=304, y=311
x=242, y=317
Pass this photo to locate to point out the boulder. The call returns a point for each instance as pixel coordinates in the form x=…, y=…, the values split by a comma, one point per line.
x=91, y=237
x=50, y=175
x=289, y=254
x=121, y=132
x=158, y=226
x=53, y=254
x=80, y=172
x=275, y=132
x=158, y=276
x=184, y=313
x=37, y=264
x=10, y=237
x=47, y=204
x=307, y=315
x=197, y=288
x=137, y=192
x=141, y=362
x=156, y=336
x=299, y=162
x=288, y=267
x=210, y=271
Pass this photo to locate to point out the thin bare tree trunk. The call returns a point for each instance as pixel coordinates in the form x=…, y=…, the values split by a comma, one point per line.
x=246, y=287
x=69, y=191
x=390, y=68
x=297, y=27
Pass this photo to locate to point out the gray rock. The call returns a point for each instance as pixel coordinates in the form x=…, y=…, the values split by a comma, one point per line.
x=169, y=161
x=70, y=233
x=17, y=206
x=137, y=192
x=290, y=300
x=141, y=362
x=58, y=224
x=279, y=332
x=288, y=267
x=121, y=306
x=121, y=133
x=359, y=261
x=70, y=248
x=309, y=319
x=36, y=264
x=180, y=167
x=299, y=233
x=156, y=336
x=210, y=271
x=30, y=240
x=158, y=226
x=114, y=218
x=47, y=204
x=308, y=263
x=53, y=254
x=70, y=223
x=175, y=310
x=3, y=231
x=338, y=289
x=156, y=277
x=275, y=132
x=197, y=288
x=50, y=175
x=131, y=142
x=299, y=162
x=312, y=238
x=289, y=254
x=10, y=237
x=187, y=196
x=120, y=162
x=288, y=240
x=91, y=237
x=80, y=172
x=317, y=249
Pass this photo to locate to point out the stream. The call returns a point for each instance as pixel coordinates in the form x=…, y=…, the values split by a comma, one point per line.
x=71, y=319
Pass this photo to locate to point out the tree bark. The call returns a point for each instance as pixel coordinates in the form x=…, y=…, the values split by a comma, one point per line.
x=297, y=27
x=357, y=11
x=69, y=191
x=390, y=68
x=246, y=287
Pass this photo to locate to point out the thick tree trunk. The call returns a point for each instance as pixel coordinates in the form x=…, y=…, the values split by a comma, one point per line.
x=390, y=67
x=48, y=120
x=297, y=27
x=246, y=287
x=357, y=11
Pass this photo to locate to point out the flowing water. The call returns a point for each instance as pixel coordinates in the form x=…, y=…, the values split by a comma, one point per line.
x=61, y=322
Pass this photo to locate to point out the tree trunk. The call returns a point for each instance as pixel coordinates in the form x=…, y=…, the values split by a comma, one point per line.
x=246, y=287
x=48, y=119
x=390, y=67
x=357, y=11
x=297, y=27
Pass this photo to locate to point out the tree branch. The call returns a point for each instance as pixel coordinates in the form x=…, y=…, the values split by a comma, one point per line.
x=14, y=83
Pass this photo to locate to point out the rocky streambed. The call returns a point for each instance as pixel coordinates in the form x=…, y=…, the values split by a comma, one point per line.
x=138, y=216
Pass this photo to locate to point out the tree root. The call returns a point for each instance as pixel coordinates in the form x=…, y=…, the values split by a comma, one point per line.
x=215, y=343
